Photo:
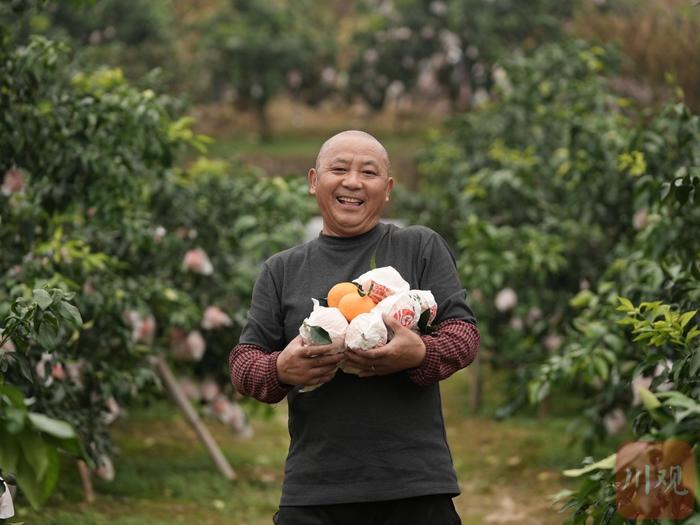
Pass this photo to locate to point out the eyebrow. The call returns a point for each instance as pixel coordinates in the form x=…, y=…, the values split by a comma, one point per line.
x=345, y=160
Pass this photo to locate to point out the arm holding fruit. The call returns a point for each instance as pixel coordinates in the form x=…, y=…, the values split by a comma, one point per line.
x=427, y=358
x=269, y=376
x=300, y=364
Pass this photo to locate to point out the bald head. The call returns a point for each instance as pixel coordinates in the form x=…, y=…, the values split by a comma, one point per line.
x=352, y=133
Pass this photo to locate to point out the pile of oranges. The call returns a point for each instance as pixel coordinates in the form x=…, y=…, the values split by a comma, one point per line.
x=350, y=299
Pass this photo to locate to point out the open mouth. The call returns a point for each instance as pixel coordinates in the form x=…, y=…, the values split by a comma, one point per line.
x=349, y=201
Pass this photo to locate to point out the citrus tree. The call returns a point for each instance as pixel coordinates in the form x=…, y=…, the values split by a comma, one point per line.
x=149, y=257
x=531, y=192
x=636, y=335
x=657, y=266
x=258, y=49
x=137, y=36
x=30, y=440
x=442, y=48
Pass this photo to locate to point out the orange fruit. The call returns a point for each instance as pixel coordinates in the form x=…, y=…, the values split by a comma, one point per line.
x=353, y=304
x=338, y=291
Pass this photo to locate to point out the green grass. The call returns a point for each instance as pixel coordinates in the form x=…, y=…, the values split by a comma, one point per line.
x=165, y=477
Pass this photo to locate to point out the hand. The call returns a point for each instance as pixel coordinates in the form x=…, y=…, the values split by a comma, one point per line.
x=405, y=350
x=301, y=364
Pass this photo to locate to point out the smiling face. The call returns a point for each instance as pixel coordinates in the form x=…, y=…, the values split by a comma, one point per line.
x=351, y=183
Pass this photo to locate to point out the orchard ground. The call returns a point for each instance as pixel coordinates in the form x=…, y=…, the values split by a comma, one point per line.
x=507, y=470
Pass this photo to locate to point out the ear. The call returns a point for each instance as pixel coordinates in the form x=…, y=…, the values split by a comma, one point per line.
x=389, y=186
x=312, y=177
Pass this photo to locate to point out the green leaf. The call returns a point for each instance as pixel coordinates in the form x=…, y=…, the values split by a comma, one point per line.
x=35, y=451
x=13, y=394
x=24, y=367
x=601, y=367
x=423, y=321
x=648, y=399
x=694, y=332
x=70, y=312
x=320, y=335
x=15, y=419
x=686, y=317
x=581, y=299
x=644, y=335
x=54, y=427
x=9, y=451
x=71, y=446
x=625, y=304
x=51, y=476
x=604, y=464
x=28, y=483
x=695, y=363
x=47, y=336
x=38, y=489
x=42, y=298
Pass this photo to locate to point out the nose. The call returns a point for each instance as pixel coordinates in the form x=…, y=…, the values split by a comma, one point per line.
x=352, y=180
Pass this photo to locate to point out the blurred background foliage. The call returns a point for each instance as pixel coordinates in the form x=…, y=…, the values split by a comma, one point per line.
x=554, y=144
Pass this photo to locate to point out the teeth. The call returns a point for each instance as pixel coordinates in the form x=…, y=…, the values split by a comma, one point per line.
x=350, y=200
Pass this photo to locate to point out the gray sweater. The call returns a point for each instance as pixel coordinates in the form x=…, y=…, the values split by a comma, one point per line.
x=359, y=439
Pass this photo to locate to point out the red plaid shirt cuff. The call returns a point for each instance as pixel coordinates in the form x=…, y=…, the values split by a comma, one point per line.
x=254, y=373
x=451, y=347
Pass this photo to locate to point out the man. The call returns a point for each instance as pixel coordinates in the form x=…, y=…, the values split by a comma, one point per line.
x=369, y=448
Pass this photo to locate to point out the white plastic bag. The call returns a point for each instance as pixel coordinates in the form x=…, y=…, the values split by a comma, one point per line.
x=366, y=331
x=427, y=302
x=407, y=307
x=329, y=319
x=7, y=510
x=382, y=282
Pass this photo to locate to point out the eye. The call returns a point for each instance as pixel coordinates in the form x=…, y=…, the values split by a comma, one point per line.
x=338, y=169
x=370, y=173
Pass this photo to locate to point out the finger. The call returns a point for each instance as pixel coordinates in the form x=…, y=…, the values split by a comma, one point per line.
x=372, y=354
x=316, y=350
x=357, y=358
x=372, y=371
x=321, y=378
x=325, y=360
x=322, y=370
x=363, y=364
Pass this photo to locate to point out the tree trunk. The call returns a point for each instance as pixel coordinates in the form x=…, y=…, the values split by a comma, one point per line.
x=86, y=481
x=173, y=387
x=264, y=127
x=543, y=409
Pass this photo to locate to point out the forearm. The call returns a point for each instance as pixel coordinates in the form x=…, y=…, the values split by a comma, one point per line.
x=254, y=373
x=452, y=347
